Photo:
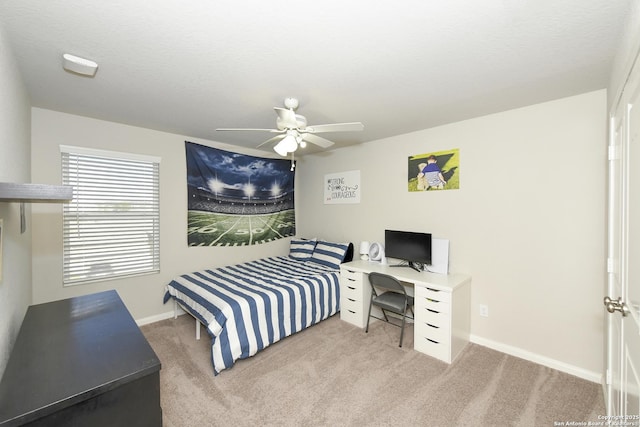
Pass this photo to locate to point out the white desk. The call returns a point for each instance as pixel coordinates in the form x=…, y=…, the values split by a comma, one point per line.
x=442, y=305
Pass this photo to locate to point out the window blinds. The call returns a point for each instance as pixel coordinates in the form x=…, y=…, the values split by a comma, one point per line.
x=111, y=227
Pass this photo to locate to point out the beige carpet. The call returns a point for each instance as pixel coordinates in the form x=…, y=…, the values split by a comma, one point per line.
x=334, y=374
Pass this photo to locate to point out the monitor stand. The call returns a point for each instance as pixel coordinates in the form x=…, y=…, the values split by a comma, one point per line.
x=417, y=266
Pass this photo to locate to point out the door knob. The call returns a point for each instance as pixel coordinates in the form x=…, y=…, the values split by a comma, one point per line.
x=616, y=305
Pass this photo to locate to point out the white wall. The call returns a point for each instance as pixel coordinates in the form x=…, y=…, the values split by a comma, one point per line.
x=15, y=284
x=528, y=222
x=143, y=294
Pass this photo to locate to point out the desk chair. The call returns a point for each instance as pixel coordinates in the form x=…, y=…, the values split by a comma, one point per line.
x=394, y=298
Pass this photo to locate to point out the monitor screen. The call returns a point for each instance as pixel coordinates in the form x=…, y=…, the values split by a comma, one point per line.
x=408, y=246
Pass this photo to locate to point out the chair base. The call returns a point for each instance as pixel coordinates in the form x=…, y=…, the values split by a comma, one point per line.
x=402, y=326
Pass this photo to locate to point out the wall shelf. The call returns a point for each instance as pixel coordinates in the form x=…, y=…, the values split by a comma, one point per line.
x=34, y=193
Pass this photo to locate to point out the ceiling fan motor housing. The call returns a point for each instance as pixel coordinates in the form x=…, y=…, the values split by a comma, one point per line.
x=301, y=123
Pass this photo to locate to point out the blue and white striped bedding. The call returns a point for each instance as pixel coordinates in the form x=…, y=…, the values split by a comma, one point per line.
x=247, y=307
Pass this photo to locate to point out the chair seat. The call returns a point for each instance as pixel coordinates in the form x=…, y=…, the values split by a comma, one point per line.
x=392, y=301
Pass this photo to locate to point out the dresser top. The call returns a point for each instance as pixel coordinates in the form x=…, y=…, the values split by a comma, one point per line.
x=71, y=350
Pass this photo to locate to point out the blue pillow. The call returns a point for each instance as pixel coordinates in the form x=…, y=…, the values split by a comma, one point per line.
x=301, y=249
x=329, y=254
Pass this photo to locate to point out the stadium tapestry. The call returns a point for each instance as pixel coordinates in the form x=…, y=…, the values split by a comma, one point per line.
x=236, y=199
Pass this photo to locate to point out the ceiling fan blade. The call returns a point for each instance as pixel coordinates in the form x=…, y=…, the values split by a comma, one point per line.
x=275, y=138
x=336, y=127
x=286, y=118
x=250, y=129
x=318, y=140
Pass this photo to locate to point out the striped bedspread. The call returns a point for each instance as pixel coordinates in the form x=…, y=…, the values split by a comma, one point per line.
x=247, y=307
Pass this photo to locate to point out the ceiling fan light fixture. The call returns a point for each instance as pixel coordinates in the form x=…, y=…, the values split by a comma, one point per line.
x=289, y=144
x=280, y=149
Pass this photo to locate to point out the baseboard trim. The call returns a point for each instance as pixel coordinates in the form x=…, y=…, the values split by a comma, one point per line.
x=158, y=317
x=536, y=358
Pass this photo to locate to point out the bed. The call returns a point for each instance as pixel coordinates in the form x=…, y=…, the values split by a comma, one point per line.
x=246, y=307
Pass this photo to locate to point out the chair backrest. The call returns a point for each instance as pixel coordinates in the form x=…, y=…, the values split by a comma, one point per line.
x=380, y=280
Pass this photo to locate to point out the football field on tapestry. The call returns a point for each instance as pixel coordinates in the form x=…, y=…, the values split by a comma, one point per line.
x=218, y=229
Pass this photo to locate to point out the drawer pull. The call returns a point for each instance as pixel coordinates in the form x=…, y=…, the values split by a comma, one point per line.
x=433, y=311
x=352, y=300
x=434, y=290
x=433, y=326
x=433, y=341
x=351, y=311
x=351, y=287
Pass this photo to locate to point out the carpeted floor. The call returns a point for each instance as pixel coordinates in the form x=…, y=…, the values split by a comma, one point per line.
x=333, y=374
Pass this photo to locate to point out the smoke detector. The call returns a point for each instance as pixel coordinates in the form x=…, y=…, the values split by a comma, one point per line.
x=77, y=65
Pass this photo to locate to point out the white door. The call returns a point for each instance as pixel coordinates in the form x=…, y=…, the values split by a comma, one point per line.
x=623, y=298
x=614, y=282
x=631, y=285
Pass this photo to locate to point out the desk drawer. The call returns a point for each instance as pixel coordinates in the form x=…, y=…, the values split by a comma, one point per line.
x=433, y=294
x=351, y=274
x=440, y=334
x=351, y=304
x=436, y=318
x=350, y=290
x=434, y=349
x=353, y=317
x=422, y=303
x=348, y=282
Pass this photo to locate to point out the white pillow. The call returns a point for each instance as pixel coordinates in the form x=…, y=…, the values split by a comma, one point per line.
x=301, y=249
x=329, y=254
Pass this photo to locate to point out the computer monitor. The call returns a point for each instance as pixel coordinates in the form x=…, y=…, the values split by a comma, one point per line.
x=413, y=249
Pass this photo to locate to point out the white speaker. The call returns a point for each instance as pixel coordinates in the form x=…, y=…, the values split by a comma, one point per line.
x=439, y=256
x=376, y=252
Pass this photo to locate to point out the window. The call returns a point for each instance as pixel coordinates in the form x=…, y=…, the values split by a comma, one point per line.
x=111, y=227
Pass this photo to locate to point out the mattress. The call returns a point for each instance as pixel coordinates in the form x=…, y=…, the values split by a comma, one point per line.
x=247, y=307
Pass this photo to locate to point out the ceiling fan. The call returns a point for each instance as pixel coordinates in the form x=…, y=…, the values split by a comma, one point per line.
x=293, y=131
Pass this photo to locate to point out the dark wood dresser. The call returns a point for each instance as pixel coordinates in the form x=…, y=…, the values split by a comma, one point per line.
x=81, y=362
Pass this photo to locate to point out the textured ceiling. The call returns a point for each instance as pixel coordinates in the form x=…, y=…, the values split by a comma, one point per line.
x=189, y=67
